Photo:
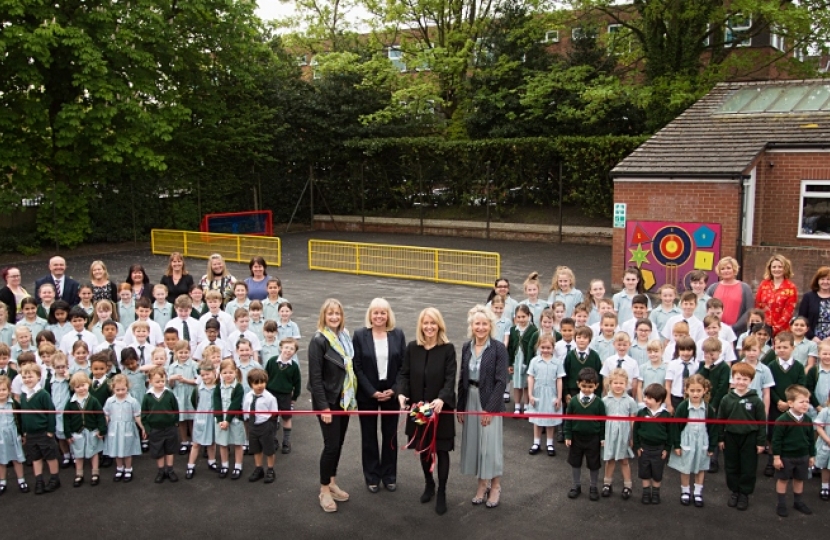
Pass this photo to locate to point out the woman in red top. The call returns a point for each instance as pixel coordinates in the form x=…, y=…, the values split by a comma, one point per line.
x=777, y=295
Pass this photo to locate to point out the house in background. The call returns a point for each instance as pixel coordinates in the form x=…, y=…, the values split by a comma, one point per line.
x=744, y=172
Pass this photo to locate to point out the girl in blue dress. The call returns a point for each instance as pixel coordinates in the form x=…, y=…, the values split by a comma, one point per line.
x=544, y=386
x=58, y=389
x=11, y=449
x=204, y=428
x=520, y=343
x=123, y=414
x=181, y=375
x=536, y=304
x=229, y=430
x=618, y=442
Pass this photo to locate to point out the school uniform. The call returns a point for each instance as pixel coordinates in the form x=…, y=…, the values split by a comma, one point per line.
x=198, y=310
x=60, y=330
x=651, y=374
x=520, y=351
x=162, y=314
x=741, y=440
x=199, y=352
x=245, y=369
x=58, y=390
x=123, y=439
x=822, y=448
x=639, y=352
x=271, y=309
x=805, y=349
x=700, y=310
x=546, y=374
x=233, y=305
x=138, y=383
x=653, y=438
x=696, y=330
x=763, y=379
x=695, y=439
x=11, y=448
x=659, y=316
x=676, y=372
x=228, y=398
x=35, y=426
x=269, y=351
x=233, y=338
x=98, y=330
x=570, y=299
x=161, y=427
x=793, y=442
x=16, y=350
x=622, y=305
x=226, y=323
x=262, y=426
x=784, y=374
x=71, y=338
x=34, y=326
x=727, y=334
x=74, y=368
x=126, y=312
x=536, y=309
x=622, y=362
x=257, y=328
x=618, y=432
x=155, y=337
x=7, y=334
x=195, y=332
x=83, y=426
x=586, y=436
x=284, y=382
x=144, y=352
x=727, y=353
x=603, y=346
x=182, y=390
x=630, y=328
x=204, y=430
x=100, y=389
x=116, y=347
x=577, y=360
x=562, y=348
x=289, y=329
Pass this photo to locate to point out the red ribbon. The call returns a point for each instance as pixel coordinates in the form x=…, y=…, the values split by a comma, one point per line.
x=432, y=448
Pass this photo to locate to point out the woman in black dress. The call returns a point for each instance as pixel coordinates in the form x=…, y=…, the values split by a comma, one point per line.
x=176, y=278
x=428, y=375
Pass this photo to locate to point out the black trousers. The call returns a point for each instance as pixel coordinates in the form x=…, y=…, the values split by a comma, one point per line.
x=740, y=453
x=334, y=434
x=379, y=463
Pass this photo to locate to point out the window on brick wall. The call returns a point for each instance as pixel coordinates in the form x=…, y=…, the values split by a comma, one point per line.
x=815, y=209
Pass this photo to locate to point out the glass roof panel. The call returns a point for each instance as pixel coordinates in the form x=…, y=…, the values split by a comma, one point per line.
x=778, y=99
x=817, y=99
x=788, y=99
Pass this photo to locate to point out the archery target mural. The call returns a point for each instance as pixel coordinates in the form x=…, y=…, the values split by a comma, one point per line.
x=667, y=252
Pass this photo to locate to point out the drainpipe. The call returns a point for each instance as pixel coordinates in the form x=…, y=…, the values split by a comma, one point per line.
x=739, y=248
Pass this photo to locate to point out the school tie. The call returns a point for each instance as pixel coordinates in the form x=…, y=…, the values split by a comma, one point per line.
x=585, y=400
x=2, y=372
x=141, y=354
x=185, y=331
x=568, y=347
x=582, y=357
x=252, y=416
x=213, y=343
x=95, y=385
x=171, y=358
x=685, y=371
x=215, y=316
x=80, y=337
x=620, y=362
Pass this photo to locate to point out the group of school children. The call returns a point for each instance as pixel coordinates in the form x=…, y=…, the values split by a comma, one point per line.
x=673, y=373
x=179, y=384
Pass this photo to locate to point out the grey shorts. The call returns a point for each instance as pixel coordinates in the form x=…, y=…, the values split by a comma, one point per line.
x=284, y=404
x=794, y=468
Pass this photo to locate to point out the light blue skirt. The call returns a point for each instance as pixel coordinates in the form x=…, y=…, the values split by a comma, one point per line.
x=85, y=444
x=482, y=451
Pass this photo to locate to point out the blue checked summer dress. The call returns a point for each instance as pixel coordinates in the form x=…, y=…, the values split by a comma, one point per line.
x=618, y=432
x=10, y=447
x=123, y=438
x=694, y=443
x=235, y=434
x=203, y=424
x=60, y=397
x=181, y=390
x=822, y=450
x=545, y=374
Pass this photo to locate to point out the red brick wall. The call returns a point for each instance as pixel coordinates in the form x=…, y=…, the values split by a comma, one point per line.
x=676, y=201
x=805, y=262
x=778, y=196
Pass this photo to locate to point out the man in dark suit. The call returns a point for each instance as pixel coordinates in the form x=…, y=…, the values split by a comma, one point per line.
x=66, y=288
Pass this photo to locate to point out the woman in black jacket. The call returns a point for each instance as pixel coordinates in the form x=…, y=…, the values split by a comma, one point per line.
x=333, y=387
x=815, y=306
x=378, y=354
x=428, y=376
x=481, y=384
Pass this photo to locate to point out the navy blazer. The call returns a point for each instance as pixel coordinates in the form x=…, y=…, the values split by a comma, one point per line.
x=365, y=361
x=492, y=378
x=69, y=291
x=809, y=308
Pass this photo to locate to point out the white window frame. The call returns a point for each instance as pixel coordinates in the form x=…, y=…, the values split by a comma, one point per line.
x=777, y=41
x=729, y=29
x=397, y=59
x=551, y=36
x=617, y=30
x=812, y=195
x=577, y=33
x=302, y=60
x=315, y=75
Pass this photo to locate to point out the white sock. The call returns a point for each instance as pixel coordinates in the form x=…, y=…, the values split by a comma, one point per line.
x=237, y=466
x=246, y=442
x=517, y=408
x=225, y=464
x=684, y=489
x=550, y=441
x=211, y=462
x=536, y=440
x=698, y=489
x=191, y=466
x=119, y=469
x=128, y=470
x=3, y=482
x=825, y=486
x=66, y=455
x=19, y=481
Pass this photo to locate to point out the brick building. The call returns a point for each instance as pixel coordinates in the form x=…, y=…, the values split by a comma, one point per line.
x=744, y=172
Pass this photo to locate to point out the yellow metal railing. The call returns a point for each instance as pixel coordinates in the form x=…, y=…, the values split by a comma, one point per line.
x=476, y=268
x=201, y=245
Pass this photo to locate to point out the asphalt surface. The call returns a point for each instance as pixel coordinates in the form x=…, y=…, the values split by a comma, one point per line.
x=534, y=500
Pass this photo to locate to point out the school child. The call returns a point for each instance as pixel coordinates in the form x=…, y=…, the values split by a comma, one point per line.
x=78, y=320
x=162, y=309
x=544, y=388
x=47, y=298
x=712, y=326
x=124, y=428
x=197, y=298
x=823, y=448
x=606, y=305
x=143, y=310
x=596, y=292
x=585, y=438
x=6, y=328
x=546, y=322
x=531, y=290
x=213, y=354
x=764, y=334
x=785, y=372
x=639, y=307
x=741, y=443
x=84, y=432
x=621, y=360
x=240, y=300
x=58, y=389
x=140, y=330
x=23, y=338
x=181, y=376
x=186, y=326
x=214, y=302
x=818, y=377
x=229, y=429
x=5, y=359
x=37, y=429
x=203, y=424
x=126, y=304
x=99, y=386
x=639, y=345
x=558, y=309
x=688, y=301
x=682, y=366
x=109, y=339
x=698, y=280
x=804, y=350
x=30, y=319
x=717, y=372
x=756, y=316
x=104, y=311
x=58, y=320
x=245, y=360
x=284, y=382
x=563, y=289
x=80, y=359
x=680, y=329
x=632, y=285
x=603, y=341
x=11, y=449
x=652, y=442
x=693, y=443
x=271, y=305
x=242, y=320
x=257, y=322
x=618, y=443
x=85, y=294
x=793, y=448
x=212, y=339
x=259, y=404
x=45, y=337
x=714, y=307
x=285, y=326
x=162, y=433
x=667, y=308
x=652, y=371
x=270, y=343
x=581, y=312
x=567, y=330
x=763, y=381
x=580, y=357
x=136, y=377
x=520, y=343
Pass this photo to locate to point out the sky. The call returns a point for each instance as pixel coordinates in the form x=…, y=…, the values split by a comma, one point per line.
x=274, y=9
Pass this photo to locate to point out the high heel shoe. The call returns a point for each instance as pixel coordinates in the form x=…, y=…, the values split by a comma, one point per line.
x=480, y=500
x=490, y=502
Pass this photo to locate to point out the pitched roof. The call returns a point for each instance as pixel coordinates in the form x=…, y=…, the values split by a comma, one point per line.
x=708, y=141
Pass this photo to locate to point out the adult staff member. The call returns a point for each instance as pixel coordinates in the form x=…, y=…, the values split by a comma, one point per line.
x=483, y=378
x=66, y=288
x=13, y=293
x=258, y=281
x=176, y=278
x=736, y=295
x=428, y=375
x=333, y=387
x=378, y=355
x=815, y=306
x=777, y=295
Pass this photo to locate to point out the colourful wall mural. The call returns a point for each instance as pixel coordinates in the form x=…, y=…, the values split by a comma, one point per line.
x=667, y=251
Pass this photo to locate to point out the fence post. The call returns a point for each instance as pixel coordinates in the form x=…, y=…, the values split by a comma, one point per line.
x=238, y=248
x=436, y=265
x=357, y=258
x=184, y=244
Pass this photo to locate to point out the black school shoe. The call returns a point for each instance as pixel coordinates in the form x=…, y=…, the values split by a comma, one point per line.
x=743, y=502
x=189, y=473
x=803, y=508
x=781, y=510
x=593, y=493
x=733, y=500
x=53, y=485
x=160, y=476
x=40, y=487
x=257, y=475
x=575, y=492
x=171, y=475
x=270, y=476
x=236, y=474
